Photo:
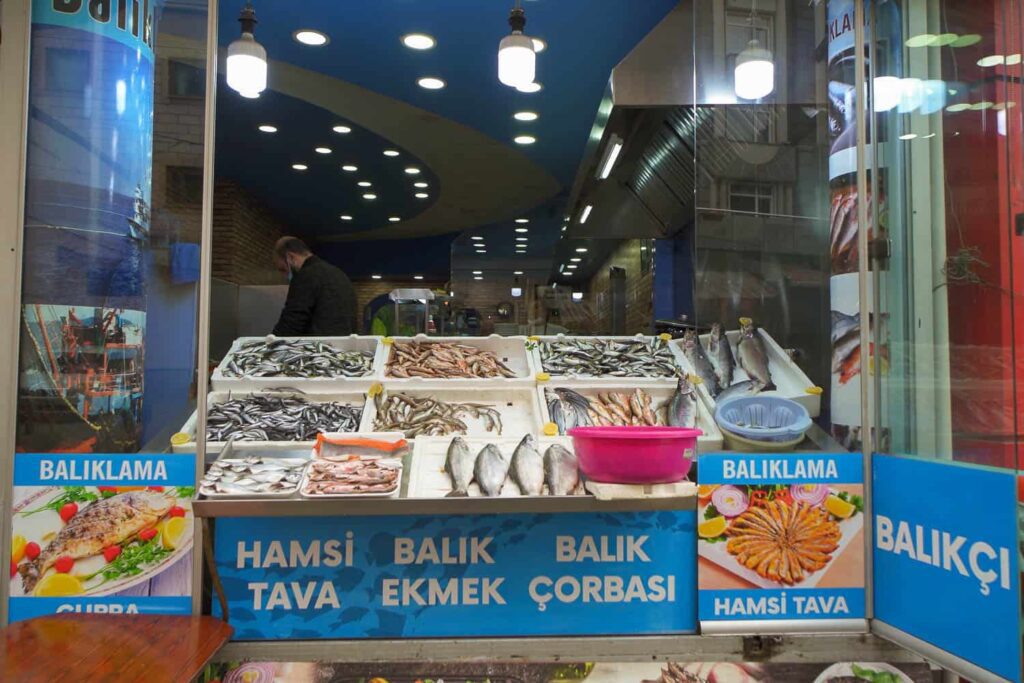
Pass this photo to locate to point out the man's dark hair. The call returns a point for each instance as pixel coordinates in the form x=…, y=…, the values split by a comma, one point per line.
x=291, y=245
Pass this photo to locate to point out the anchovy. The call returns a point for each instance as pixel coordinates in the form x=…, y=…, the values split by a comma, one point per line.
x=640, y=357
x=459, y=465
x=682, y=411
x=301, y=358
x=490, y=470
x=753, y=357
x=278, y=418
x=694, y=352
x=721, y=355
x=528, y=467
x=561, y=471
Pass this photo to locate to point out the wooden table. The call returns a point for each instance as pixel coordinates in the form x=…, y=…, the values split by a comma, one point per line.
x=123, y=648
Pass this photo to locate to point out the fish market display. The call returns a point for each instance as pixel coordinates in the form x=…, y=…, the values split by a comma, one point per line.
x=300, y=358
x=694, y=352
x=561, y=471
x=444, y=360
x=783, y=542
x=682, y=409
x=359, y=474
x=753, y=356
x=253, y=476
x=102, y=524
x=569, y=409
x=430, y=417
x=720, y=354
x=528, y=467
x=608, y=357
x=278, y=418
x=491, y=470
x=459, y=466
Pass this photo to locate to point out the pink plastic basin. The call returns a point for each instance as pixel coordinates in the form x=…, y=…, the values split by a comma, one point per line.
x=635, y=455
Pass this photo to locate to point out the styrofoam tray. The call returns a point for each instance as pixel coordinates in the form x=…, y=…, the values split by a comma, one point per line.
x=239, y=451
x=518, y=406
x=382, y=494
x=610, y=379
x=352, y=397
x=660, y=394
x=790, y=380
x=510, y=350
x=219, y=382
x=427, y=475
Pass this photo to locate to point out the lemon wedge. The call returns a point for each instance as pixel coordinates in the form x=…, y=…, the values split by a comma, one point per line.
x=839, y=507
x=704, y=491
x=58, y=585
x=18, y=544
x=550, y=429
x=712, y=528
x=172, y=531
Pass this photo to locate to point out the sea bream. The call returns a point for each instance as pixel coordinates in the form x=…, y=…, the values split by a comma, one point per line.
x=491, y=470
x=694, y=352
x=528, y=467
x=753, y=357
x=459, y=465
x=561, y=471
x=104, y=523
x=721, y=356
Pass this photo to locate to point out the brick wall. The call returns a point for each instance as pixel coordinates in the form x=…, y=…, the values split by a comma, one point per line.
x=244, y=232
x=639, y=291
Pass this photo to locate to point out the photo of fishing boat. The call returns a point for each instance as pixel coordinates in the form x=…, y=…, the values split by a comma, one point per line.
x=81, y=379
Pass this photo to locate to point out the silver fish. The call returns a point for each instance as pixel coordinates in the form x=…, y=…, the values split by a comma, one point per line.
x=739, y=390
x=694, y=352
x=459, y=466
x=639, y=357
x=721, y=355
x=843, y=324
x=273, y=357
x=753, y=358
x=528, y=467
x=561, y=471
x=682, y=410
x=490, y=470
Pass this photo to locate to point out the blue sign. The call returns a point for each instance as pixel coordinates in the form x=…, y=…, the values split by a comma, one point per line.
x=781, y=537
x=135, y=469
x=946, y=559
x=449, y=576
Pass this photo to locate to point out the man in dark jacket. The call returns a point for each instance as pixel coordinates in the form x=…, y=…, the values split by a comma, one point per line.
x=321, y=301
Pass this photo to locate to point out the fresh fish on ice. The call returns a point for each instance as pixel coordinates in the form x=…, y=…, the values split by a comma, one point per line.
x=753, y=357
x=459, y=465
x=742, y=389
x=682, y=409
x=528, y=467
x=694, y=352
x=561, y=471
x=491, y=469
x=720, y=353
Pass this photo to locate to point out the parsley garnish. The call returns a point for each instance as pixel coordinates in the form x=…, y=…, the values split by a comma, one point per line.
x=72, y=494
x=131, y=560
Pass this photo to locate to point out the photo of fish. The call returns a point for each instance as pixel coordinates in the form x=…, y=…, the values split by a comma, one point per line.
x=101, y=540
x=843, y=226
x=846, y=347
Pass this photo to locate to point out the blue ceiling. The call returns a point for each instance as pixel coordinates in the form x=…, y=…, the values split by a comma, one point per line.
x=585, y=39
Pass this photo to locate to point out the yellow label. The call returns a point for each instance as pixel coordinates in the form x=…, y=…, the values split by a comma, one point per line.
x=814, y=391
x=533, y=338
x=543, y=377
x=550, y=429
x=375, y=389
x=695, y=379
x=665, y=336
x=180, y=439
x=387, y=341
x=745, y=321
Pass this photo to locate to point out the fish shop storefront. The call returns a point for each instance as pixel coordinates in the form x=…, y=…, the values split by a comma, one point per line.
x=613, y=341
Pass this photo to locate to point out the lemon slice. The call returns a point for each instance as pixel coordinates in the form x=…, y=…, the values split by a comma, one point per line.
x=58, y=585
x=18, y=544
x=550, y=429
x=375, y=389
x=712, y=528
x=543, y=377
x=704, y=491
x=839, y=507
x=665, y=336
x=179, y=439
x=172, y=531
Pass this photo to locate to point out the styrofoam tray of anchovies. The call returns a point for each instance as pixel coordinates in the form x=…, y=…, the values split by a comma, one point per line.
x=790, y=381
x=428, y=477
x=257, y=466
x=660, y=393
x=355, y=398
x=222, y=378
x=509, y=351
x=517, y=406
x=534, y=346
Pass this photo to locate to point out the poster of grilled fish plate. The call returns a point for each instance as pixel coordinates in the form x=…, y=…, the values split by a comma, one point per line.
x=780, y=542
x=103, y=534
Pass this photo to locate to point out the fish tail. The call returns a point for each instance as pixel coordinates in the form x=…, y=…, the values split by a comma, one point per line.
x=769, y=387
x=457, y=494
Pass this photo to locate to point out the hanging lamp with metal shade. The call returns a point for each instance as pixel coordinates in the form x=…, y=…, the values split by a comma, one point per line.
x=517, y=57
x=247, y=59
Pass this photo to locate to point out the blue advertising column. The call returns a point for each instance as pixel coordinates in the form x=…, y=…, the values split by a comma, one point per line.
x=88, y=188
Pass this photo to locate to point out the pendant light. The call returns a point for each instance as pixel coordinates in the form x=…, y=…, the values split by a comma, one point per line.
x=247, y=59
x=517, y=59
x=755, y=70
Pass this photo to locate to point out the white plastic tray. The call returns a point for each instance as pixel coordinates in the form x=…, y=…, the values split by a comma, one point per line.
x=518, y=406
x=790, y=380
x=659, y=392
x=353, y=397
x=510, y=350
x=383, y=494
x=609, y=379
x=220, y=382
x=241, y=450
x=428, y=478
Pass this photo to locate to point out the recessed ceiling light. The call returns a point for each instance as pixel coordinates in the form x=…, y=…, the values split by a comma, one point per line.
x=267, y=128
x=586, y=213
x=364, y=183
x=431, y=83
x=478, y=272
x=1013, y=60
x=322, y=150
x=960, y=106
x=481, y=251
x=308, y=36
x=417, y=277
x=369, y=196
x=349, y=168
x=530, y=87
x=922, y=40
x=967, y=40
x=346, y=217
x=394, y=219
x=981, y=106
x=518, y=272
x=525, y=116
x=522, y=220
x=944, y=39
x=344, y=130
x=525, y=139
x=478, y=277
x=575, y=259
x=391, y=153
x=299, y=167
x=376, y=277
x=476, y=237
x=908, y=136
x=418, y=41
x=522, y=230
x=522, y=239
x=421, y=184
x=991, y=60
x=571, y=266
x=422, y=195
x=539, y=45
x=581, y=250
x=412, y=170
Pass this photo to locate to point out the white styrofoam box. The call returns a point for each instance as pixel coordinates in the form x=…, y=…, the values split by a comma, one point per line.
x=220, y=382
x=534, y=343
x=789, y=379
x=660, y=393
x=517, y=404
x=509, y=350
x=245, y=449
x=427, y=475
x=353, y=397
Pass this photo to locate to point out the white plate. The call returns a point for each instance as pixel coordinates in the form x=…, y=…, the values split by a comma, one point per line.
x=846, y=669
